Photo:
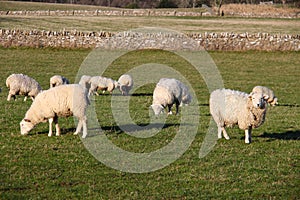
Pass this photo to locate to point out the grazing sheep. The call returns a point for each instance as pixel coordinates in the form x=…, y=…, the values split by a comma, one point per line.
x=20, y=84
x=85, y=81
x=166, y=93
x=125, y=83
x=229, y=108
x=57, y=80
x=272, y=100
x=101, y=83
x=62, y=101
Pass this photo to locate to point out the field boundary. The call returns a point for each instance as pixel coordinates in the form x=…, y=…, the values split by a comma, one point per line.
x=207, y=40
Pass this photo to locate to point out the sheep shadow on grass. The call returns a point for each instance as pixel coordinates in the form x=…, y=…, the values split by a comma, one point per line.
x=288, y=135
x=137, y=127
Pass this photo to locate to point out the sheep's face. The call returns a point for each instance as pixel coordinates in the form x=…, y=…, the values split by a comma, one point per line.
x=157, y=109
x=258, y=100
x=26, y=126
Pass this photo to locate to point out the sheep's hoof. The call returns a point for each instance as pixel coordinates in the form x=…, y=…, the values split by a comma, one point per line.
x=227, y=138
x=49, y=134
x=247, y=141
x=76, y=133
x=170, y=113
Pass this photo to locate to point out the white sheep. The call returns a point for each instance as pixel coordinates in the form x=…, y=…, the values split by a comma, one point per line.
x=57, y=80
x=85, y=81
x=229, y=108
x=166, y=93
x=101, y=83
x=272, y=100
x=21, y=84
x=62, y=101
x=125, y=84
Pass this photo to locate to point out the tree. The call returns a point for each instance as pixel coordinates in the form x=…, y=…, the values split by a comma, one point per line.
x=218, y=4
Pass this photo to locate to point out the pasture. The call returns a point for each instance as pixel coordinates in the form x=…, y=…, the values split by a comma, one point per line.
x=40, y=167
x=36, y=166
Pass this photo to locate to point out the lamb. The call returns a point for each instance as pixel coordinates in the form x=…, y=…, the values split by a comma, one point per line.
x=57, y=80
x=229, y=108
x=272, y=100
x=21, y=84
x=62, y=101
x=102, y=83
x=125, y=84
x=166, y=93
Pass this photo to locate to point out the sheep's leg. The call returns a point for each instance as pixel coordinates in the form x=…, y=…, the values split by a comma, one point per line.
x=219, y=132
x=9, y=97
x=248, y=135
x=225, y=134
x=79, y=126
x=177, y=107
x=84, y=128
x=56, y=126
x=32, y=98
x=50, y=126
x=169, y=110
x=25, y=98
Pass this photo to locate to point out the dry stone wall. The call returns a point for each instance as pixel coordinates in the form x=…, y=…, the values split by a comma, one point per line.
x=208, y=41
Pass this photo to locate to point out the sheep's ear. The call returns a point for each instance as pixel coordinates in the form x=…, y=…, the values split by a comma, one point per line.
x=27, y=120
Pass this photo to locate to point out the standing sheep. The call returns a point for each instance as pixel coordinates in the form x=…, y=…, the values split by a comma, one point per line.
x=229, y=108
x=166, y=93
x=125, y=83
x=101, y=83
x=272, y=100
x=20, y=84
x=63, y=101
x=57, y=80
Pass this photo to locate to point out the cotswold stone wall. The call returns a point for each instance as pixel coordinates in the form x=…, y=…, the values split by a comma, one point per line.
x=208, y=41
x=123, y=12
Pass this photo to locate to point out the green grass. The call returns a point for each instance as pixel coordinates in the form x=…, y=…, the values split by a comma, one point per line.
x=36, y=166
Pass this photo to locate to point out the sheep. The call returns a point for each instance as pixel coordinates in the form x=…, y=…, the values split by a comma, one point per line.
x=62, y=101
x=57, y=80
x=272, y=100
x=125, y=84
x=166, y=93
x=21, y=84
x=101, y=83
x=230, y=107
x=85, y=81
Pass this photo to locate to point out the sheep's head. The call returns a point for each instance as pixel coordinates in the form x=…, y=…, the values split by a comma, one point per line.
x=258, y=99
x=157, y=108
x=26, y=126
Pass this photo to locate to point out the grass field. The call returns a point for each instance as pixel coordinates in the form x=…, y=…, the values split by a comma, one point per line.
x=36, y=166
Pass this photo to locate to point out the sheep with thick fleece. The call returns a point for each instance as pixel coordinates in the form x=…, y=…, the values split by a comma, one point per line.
x=125, y=84
x=21, y=84
x=230, y=107
x=166, y=93
x=272, y=100
x=102, y=83
x=62, y=101
x=57, y=80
